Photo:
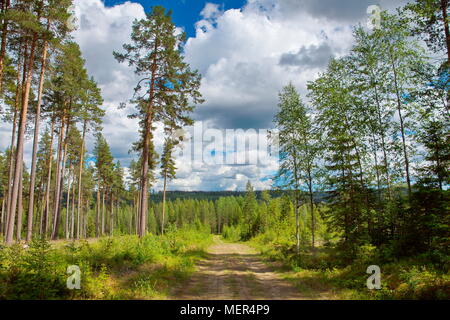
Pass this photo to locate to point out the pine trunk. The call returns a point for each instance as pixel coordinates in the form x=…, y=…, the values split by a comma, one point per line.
x=20, y=143
x=164, y=203
x=49, y=182
x=35, y=144
x=69, y=186
x=80, y=175
x=13, y=135
x=97, y=220
x=5, y=7
x=103, y=212
x=20, y=209
x=60, y=184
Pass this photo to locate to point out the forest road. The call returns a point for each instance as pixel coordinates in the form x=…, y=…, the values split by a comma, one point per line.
x=234, y=271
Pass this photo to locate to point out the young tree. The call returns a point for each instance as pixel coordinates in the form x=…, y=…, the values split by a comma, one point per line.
x=170, y=88
x=250, y=213
x=91, y=116
x=104, y=172
x=298, y=150
x=168, y=170
x=338, y=123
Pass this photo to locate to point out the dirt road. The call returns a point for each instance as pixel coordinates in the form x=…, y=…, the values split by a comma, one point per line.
x=234, y=271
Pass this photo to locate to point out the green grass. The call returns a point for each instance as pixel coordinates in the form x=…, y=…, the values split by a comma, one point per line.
x=124, y=267
x=329, y=273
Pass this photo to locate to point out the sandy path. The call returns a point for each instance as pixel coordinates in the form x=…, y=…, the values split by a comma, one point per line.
x=234, y=271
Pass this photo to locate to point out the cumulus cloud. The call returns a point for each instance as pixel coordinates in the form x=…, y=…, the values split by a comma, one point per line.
x=245, y=57
x=308, y=57
x=102, y=30
x=335, y=10
x=210, y=11
x=239, y=57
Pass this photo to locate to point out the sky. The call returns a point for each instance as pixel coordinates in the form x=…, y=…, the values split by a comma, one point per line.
x=245, y=50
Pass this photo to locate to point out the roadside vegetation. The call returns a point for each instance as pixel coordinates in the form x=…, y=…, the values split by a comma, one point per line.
x=122, y=267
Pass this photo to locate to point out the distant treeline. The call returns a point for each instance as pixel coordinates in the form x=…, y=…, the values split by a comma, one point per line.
x=215, y=195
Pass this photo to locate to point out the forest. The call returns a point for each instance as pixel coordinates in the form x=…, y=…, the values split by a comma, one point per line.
x=363, y=177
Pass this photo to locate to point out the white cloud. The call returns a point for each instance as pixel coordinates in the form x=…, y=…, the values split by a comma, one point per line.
x=237, y=51
x=210, y=11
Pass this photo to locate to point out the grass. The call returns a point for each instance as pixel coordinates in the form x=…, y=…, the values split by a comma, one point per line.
x=124, y=267
x=327, y=273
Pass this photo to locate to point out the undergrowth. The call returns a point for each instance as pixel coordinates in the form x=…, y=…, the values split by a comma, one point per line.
x=124, y=267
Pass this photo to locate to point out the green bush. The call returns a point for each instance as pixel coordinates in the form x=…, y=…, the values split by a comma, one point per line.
x=232, y=233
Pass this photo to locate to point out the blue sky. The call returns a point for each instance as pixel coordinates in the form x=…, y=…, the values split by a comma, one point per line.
x=184, y=12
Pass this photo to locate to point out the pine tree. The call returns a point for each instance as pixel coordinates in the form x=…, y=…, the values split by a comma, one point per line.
x=168, y=170
x=250, y=212
x=155, y=52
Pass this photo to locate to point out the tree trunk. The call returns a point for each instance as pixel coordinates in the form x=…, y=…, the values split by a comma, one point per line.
x=296, y=204
x=311, y=202
x=20, y=209
x=80, y=175
x=2, y=217
x=97, y=220
x=35, y=143
x=383, y=138
x=143, y=208
x=69, y=186
x=103, y=212
x=5, y=8
x=402, y=127
x=137, y=221
x=20, y=142
x=49, y=181
x=111, y=218
x=72, y=211
x=60, y=184
x=444, y=7
x=164, y=203
x=86, y=218
x=13, y=135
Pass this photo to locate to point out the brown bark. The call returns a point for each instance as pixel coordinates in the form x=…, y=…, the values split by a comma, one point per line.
x=58, y=173
x=144, y=179
x=20, y=209
x=80, y=175
x=5, y=7
x=137, y=213
x=49, y=181
x=35, y=142
x=164, y=203
x=111, y=218
x=13, y=136
x=97, y=220
x=69, y=188
x=2, y=217
x=72, y=211
x=20, y=142
x=60, y=183
x=103, y=213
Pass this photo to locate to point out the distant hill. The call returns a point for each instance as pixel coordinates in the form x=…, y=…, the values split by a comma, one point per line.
x=214, y=195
